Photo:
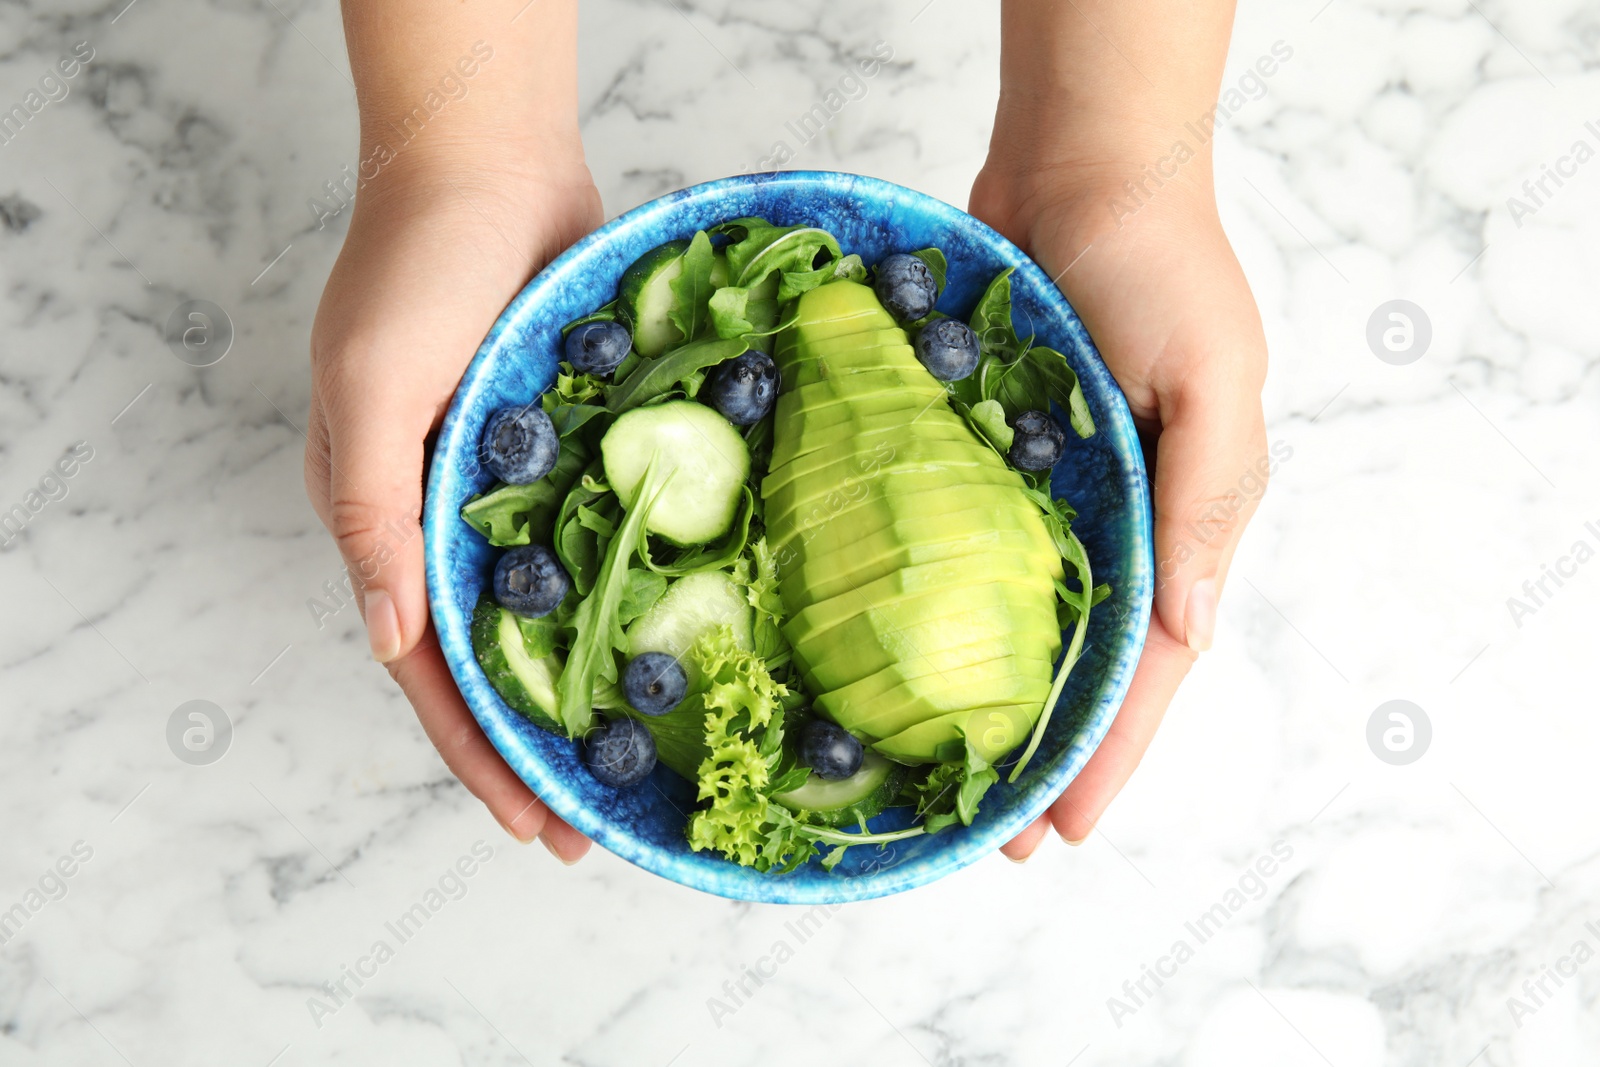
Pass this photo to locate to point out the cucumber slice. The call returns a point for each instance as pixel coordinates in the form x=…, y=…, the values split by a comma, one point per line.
x=691, y=605
x=708, y=459
x=844, y=802
x=645, y=297
x=526, y=684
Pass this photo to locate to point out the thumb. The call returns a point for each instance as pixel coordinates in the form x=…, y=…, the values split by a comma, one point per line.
x=1211, y=471
x=375, y=442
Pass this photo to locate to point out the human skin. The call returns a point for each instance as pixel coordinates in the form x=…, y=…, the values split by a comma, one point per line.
x=496, y=185
x=493, y=187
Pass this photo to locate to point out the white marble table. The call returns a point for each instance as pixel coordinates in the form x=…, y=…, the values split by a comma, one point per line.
x=206, y=905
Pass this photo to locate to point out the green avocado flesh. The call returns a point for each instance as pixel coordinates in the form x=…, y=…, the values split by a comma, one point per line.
x=916, y=576
x=993, y=731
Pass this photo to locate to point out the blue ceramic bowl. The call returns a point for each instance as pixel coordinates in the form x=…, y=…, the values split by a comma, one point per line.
x=1103, y=477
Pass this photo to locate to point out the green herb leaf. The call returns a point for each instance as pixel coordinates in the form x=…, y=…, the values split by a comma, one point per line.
x=744, y=311
x=596, y=628
x=989, y=419
x=794, y=283
x=539, y=636
x=1039, y=373
x=639, y=594
x=656, y=377
x=991, y=321
x=568, y=418
x=759, y=248
x=951, y=791
x=604, y=314
x=517, y=514
x=580, y=546
x=707, y=557
x=691, y=289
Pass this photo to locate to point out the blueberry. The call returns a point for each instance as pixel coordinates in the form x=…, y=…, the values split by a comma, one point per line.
x=654, y=683
x=829, y=750
x=743, y=388
x=620, y=753
x=598, y=347
x=1038, y=442
x=948, y=348
x=520, y=445
x=530, y=581
x=905, y=286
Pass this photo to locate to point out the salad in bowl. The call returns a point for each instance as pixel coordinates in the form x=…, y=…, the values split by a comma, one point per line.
x=783, y=555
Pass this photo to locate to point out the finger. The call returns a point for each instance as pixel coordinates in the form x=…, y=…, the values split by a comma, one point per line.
x=565, y=843
x=1211, y=469
x=376, y=428
x=1019, y=848
x=467, y=752
x=1162, y=666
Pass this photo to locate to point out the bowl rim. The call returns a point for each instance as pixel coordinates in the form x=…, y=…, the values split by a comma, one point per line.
x=441, y=522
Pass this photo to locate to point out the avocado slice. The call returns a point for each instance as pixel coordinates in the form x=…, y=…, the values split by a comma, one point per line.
x=872, y=438
x=917, y=575
x=878, y=524
x=860, y=507
x=836, y=310
x=790, y=347
x=816, y=576
x=918, y=626
x=794, y=481
x=992, y=732
x=841, y=366
x=1028, y=655
x=943, y=575
x=1007, y=680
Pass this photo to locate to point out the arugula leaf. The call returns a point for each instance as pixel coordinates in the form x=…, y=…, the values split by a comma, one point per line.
x=596, y=627
x=952, y=790
x=656, y=377
x=759, y=248
x=639, y=594
x=608, y=313
x=739, y=311
x=1038, y=373
x=1078, y=557
x=515, y=514
x=578, y=545
x=989, y=419
x=568, y=418
x=540, y=636
x=991, y=321
x=795, y=282
x=691, y=289
x=707, y=557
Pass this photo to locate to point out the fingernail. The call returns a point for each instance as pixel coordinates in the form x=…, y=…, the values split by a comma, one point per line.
x=1200, y=618
x=1020, y=859
x=514, y=835
x=383, y=625
x=552, y=850
x=1079, y=841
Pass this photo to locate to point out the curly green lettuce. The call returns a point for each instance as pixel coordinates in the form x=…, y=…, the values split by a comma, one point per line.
x=744, y=761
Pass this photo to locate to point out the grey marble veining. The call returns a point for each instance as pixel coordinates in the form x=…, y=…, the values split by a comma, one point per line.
x=209, y=908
